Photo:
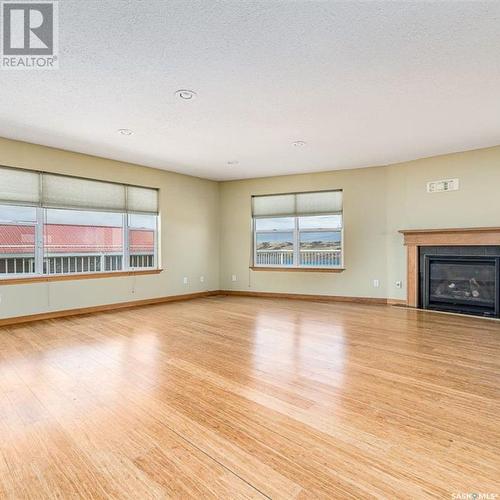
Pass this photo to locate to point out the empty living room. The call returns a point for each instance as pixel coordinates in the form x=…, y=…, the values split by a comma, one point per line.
x=249, y=249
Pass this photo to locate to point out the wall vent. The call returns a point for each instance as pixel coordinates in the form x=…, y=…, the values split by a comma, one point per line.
x=442, y=186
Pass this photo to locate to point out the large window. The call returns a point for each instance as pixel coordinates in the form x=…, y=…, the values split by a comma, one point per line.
x=57, y=225
x=298, y=230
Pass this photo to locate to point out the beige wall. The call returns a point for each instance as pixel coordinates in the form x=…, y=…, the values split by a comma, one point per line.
x=189, y=235
x=377, y=203
x=205, y=226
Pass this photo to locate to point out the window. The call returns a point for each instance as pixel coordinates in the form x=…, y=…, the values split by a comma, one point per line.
x=142, y=240
x=274, y=241
x=82, y=242
x=17, y=240
x=57, y=225
x=298, y=230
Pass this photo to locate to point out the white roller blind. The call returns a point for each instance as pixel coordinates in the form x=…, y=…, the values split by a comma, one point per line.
x=318, y=203
x=19, y=187
x=142, y=200
x=269, y=206
x=328, y=202
x=75, y=193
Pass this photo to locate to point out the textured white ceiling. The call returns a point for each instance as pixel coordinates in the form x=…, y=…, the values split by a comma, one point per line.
x=363, y=83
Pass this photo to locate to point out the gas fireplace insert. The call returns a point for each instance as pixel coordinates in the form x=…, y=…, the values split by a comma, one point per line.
x=460, y=279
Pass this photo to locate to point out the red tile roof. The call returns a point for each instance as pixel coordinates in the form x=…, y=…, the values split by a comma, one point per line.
x=61, y=238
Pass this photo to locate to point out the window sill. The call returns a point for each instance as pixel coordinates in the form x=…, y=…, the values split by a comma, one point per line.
x=300, y=269
x=70, y=277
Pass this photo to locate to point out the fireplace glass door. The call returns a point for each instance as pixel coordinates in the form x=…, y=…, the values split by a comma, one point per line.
x=459, y=284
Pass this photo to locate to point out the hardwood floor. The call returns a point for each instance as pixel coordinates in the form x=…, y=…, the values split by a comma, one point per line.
x=234, y=397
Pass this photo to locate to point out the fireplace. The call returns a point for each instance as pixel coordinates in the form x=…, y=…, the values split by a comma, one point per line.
x=460, y=279
x=454, y=269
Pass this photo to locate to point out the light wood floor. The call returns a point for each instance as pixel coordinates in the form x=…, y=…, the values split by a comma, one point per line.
x=232, y=397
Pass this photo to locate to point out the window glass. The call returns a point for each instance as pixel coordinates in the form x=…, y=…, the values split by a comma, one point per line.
x=9, y=213
x=275, y=224
x=320, y=248
x=17, y=240
x=84, y=218
x=142, y=230
x=143, y=221
x=274, y=248
x=321, y=222
x=17, y=249
x=301, y=241
x=82, y=242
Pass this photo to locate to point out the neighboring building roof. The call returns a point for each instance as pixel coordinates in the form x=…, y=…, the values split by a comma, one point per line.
x=61, y=238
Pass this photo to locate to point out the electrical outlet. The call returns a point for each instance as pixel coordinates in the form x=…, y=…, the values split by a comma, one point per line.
x=185, y=280
x=202, y=279
x=399, y=284
x=234, y=277
x=376, y=283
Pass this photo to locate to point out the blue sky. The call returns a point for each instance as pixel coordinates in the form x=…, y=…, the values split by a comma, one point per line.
x=28, y=214
x=283, y=223
x=306, y=237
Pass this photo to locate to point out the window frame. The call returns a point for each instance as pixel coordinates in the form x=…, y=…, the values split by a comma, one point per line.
x=296, y=231
x=39, y=225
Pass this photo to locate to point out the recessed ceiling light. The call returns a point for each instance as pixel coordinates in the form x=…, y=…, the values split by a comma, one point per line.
x=187, y=95
x=233, y=162
x=125, y=131
x=298, y=144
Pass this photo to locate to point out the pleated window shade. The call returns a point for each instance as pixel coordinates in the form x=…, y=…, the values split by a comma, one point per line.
x=19, y=187
x=327, y=202
x=142, y=200
x=273, y=206
x=297, y=204
x=22, y=187
x=81, y=194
